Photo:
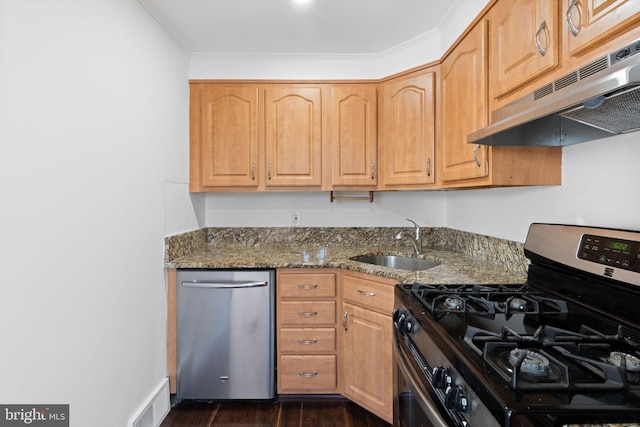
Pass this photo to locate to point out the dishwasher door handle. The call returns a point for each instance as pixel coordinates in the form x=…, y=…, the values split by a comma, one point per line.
x=222, y=285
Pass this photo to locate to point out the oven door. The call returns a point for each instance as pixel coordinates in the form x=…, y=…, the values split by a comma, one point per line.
x=413, y=406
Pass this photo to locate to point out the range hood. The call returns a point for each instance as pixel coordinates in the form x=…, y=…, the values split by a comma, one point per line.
x=598, y=100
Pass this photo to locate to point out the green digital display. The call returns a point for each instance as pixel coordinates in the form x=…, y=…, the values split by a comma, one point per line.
x=621, y=246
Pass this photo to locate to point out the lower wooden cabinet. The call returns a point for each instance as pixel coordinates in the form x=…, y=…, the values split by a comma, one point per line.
x=306, y=317
x=366, y=358
x=334, y=335
x=311, y=373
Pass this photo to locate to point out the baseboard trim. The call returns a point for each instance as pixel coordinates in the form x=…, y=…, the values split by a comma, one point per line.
x=154, y=409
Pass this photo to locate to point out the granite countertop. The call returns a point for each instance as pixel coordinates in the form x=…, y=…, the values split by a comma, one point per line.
x=454, y=268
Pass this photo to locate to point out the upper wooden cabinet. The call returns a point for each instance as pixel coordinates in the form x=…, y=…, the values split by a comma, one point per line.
x=354, y=131
x=255, y=137
x=463, y=108
x=536, y=41
x=589, y=23
x=523, y=42
x=224, y=137
x=407, y=131
x=293, y=136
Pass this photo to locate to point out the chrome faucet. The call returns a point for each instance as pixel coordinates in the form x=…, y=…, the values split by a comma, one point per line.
x=416, y=241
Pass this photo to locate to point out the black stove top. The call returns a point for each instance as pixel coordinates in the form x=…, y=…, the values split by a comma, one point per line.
x=561, y=349
x=531, y=340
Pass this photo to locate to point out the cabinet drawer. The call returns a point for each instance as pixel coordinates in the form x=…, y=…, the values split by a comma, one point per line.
x=307, y=312
x=307, y=340
x=301, y=373
x=305, y=285
x=368, y=293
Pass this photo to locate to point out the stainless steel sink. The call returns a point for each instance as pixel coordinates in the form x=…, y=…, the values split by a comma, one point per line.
x=399, y=262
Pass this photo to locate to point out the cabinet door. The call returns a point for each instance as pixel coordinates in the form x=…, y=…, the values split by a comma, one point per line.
x=590, y=22
x=367, y=363
x=523, y=42
x=224, y=136
x=353, y=135
x=408, y=131
x=464, y=108
x=293, y=133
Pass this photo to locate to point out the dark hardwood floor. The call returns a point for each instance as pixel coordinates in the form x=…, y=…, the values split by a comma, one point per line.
x=288, y=412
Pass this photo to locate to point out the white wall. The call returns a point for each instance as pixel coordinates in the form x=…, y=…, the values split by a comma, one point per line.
x=275, y=209
x=93, y=122
x=599, y=188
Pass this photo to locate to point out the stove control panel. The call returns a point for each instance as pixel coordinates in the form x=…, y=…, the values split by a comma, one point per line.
x=617, y=253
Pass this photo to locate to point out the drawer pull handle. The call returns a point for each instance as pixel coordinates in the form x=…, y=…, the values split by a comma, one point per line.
x=307, y=313
x=572, y=27
x=307, y=374
x=307, y=342
x=366, y=294
x=307, y=286
x=344, y=320
x=541, y=49
x=475, y=155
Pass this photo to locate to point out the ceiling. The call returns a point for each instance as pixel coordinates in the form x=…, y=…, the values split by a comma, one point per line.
x=286, y=27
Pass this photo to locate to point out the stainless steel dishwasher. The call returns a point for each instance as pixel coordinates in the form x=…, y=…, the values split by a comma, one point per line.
x=225, y=334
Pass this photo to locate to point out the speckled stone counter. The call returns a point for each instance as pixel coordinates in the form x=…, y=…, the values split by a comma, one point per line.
x=463, y=257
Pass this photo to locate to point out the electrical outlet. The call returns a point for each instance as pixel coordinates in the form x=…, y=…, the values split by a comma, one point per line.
x=295, y=218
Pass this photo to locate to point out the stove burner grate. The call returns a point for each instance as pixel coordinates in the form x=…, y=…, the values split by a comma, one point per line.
x=485, y=300
x=555, y=359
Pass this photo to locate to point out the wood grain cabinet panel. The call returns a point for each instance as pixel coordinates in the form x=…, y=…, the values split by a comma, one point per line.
x=367, y=293
x=307, y=285
x=307, y=340
x=589, y=23
x=308, y=312
x=354, y=154
x=224, y=137
x=293, y=136
x=407, y=131
x=523, y=42
x=306, y=318
x=366, y=361
x=307, y=374
x=463, y=108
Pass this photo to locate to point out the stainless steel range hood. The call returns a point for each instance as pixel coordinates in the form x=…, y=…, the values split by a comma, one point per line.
x=598, y=100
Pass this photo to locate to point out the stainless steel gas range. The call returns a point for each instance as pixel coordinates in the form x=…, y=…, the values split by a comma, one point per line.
x=562, y=349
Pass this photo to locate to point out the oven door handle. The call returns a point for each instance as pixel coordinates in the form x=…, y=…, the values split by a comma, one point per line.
x=426, y=404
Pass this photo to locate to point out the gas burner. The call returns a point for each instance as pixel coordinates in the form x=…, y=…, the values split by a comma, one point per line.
x=453, y=303
x=632, y=362
x=518, y=304
x=530, y=362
